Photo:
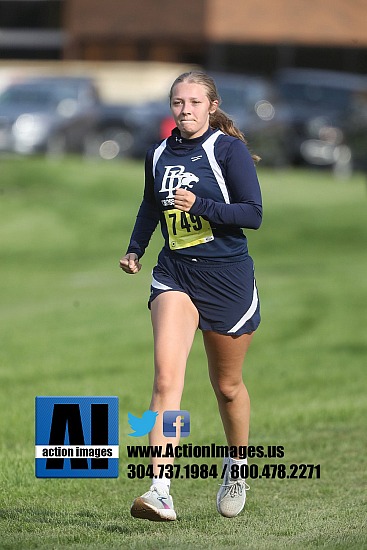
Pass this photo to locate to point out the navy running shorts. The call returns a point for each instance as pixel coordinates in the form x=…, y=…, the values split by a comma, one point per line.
x=224, y=294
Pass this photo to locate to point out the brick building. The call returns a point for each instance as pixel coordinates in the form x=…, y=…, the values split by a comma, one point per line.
x=244, y=35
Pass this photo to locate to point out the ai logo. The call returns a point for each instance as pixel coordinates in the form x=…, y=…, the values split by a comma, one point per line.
x=77, y=437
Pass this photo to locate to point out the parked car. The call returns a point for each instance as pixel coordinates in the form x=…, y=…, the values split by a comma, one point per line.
x=127, y=130
x=58, y=115
x=355, y=130
x=253, y=104
x=52, y=115
x=318, y=101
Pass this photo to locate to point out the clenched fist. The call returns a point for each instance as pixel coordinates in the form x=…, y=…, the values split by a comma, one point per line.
x=130, y=263
x=184, y=199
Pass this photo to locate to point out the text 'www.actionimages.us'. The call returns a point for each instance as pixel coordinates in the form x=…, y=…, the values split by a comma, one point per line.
x=188, y=450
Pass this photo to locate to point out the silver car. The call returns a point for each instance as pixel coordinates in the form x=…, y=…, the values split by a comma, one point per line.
x=52, y=115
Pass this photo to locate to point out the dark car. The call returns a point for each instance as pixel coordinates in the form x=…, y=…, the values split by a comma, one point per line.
x=318, y=101
x=252, y=103
x=51, y=115
x=355, y=130
x=127, y=130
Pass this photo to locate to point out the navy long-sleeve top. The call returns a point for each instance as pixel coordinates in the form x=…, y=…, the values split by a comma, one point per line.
x=220, y=171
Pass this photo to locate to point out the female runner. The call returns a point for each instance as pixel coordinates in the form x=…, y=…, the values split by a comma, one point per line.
x=201, y=185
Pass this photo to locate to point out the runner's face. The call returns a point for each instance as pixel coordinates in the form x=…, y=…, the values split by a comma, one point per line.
x=191, y=107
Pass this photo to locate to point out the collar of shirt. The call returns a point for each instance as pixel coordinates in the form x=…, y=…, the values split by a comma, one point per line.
x=176, y=142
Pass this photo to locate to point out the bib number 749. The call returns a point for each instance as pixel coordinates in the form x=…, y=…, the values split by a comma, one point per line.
x=186, y=229
x=195, y=225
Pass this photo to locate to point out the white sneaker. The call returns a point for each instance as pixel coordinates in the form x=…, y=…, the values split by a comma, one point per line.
x=231, y=496
x=155, y=505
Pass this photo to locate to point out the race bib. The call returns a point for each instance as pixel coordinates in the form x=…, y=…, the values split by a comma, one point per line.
x=186, y=230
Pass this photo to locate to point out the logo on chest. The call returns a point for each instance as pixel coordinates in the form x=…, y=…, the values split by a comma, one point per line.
x=175, y=177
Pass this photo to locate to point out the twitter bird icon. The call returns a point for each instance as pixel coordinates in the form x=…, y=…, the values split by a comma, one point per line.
x=143, y=425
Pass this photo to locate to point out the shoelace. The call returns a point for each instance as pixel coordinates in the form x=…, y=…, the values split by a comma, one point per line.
x=160, y=493
x=236, y=488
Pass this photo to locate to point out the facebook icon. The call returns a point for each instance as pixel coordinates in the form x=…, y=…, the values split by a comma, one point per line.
x=176, y=423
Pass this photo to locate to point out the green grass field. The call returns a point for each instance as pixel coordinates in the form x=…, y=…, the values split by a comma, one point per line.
x=73, y=324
